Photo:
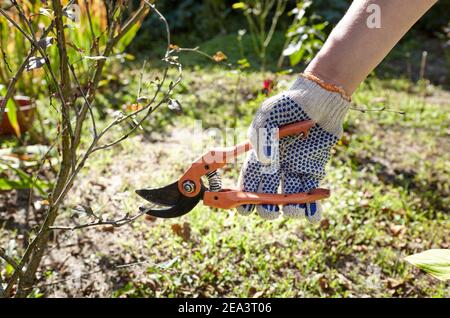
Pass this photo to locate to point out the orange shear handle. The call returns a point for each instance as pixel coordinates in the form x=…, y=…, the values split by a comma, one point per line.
x=217, y=158
x=228, y=199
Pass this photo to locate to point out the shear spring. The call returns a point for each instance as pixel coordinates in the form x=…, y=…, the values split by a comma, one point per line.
x=214, y=181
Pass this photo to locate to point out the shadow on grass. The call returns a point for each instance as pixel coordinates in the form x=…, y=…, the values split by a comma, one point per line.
x=428, y=192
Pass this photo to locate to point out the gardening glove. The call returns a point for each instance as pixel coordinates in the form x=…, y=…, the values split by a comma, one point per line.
x=295, y=162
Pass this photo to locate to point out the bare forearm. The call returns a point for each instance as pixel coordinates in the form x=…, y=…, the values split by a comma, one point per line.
x=356, y=47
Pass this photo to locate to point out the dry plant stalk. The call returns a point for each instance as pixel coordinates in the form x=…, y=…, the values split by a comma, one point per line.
x=73, y=120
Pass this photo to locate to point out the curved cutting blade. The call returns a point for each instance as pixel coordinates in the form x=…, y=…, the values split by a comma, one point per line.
x=177, y=204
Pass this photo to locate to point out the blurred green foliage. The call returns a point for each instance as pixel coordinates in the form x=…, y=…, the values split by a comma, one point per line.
x=194, y=19
x=305, y=36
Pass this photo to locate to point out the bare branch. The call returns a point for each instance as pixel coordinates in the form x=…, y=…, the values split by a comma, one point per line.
x=88, y=103
x=32, y=256
x=115, y=223
x=9, y=260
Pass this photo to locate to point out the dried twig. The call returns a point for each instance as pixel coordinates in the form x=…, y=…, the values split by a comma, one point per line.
x=381, y=109
x=115, y=223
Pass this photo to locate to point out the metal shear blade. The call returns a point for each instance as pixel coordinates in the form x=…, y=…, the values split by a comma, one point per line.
x=177, y=204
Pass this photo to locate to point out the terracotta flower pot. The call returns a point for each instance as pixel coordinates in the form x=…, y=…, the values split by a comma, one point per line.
x=25, y=116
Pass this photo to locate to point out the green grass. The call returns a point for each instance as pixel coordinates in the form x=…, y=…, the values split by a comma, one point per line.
x=390, y=198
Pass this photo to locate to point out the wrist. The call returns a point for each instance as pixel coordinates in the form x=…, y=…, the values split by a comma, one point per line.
x=324, y=103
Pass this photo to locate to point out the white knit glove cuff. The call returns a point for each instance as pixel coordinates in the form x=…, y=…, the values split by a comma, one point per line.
x=326, y=108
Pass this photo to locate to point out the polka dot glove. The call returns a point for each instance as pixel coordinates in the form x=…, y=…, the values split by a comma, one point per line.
x=295, y=162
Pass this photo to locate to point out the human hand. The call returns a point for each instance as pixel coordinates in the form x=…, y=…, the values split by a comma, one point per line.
x=297, y=163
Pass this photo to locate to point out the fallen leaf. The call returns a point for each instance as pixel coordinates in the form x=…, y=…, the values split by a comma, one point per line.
x=150, y=218
x=177, y=229
x=397, y=230
x=325, y=223
x=219, y=56
x=183, y=231
x=186, y=231
x=133, y=107
x=258, y=294
x=347, y=283
x=174, y=47
x=251, y=291
x=323, y=283
x=394, y=283
x=108, y=228
x=360, y=248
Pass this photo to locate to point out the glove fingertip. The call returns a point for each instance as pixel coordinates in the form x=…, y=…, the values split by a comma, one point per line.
x=313, y=212
x=294, y=211
x=245, y=209
x=268, y=211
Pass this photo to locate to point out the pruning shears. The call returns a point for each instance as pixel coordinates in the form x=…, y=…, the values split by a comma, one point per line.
x=183, y=195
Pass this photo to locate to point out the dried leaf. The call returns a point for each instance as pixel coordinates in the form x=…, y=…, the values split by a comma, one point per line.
x=174, y=47
x=46, y=42
x=177, y=229
x=34, y=63
x=258, y=294
x=108, y=228
x=150, y=218
x=397, y=230
x=133, y=107
x=324, y=223
x=394, y=283
x=175, y=106
x=183, y=231
x=186, y=231
x=219, y=56
x=323, y=283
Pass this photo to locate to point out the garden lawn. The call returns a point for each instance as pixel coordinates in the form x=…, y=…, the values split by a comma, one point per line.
x=389, y=178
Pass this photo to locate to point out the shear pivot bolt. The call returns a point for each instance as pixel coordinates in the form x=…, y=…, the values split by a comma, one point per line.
x=189, y=186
